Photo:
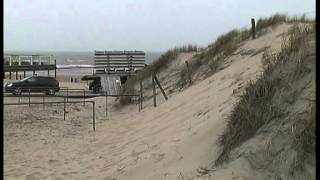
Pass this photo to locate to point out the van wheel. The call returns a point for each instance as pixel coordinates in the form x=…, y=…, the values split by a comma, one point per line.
x=50, y=92
x=17, y=91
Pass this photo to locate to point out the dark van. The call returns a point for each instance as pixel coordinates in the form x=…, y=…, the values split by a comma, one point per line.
x=48, y=85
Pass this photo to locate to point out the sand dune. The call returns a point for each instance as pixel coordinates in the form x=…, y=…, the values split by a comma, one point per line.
x=170, y=141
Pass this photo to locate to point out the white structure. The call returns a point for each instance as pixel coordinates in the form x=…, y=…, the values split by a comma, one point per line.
x=119, y=62
x=15, y=59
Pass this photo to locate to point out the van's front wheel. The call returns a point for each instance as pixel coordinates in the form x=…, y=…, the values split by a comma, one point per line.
x=17, y=91
x=50, y=92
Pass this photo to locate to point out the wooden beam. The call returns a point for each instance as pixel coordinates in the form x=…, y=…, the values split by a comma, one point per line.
x=154, y=92
x=159, y=85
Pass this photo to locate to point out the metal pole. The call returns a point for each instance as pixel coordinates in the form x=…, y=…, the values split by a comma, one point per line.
x=93, y=116
x=141, y=93
x=55, y=68
x=106, y=104
x=43, y=102
x=139, y=102
x=84, y=100
x=67, y=94
x=64, y=108
x=29, y=97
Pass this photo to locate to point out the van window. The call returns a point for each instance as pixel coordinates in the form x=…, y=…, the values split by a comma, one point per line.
x=32, y=79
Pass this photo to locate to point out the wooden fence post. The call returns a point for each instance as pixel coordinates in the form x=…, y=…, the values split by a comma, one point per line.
x=154, y=92
x=189, y=75
x=159, y=85
x=253, y=28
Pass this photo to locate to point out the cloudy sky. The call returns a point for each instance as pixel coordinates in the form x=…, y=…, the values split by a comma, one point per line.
x=149, y=25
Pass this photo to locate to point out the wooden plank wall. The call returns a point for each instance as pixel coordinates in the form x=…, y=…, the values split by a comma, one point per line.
x=109, y=84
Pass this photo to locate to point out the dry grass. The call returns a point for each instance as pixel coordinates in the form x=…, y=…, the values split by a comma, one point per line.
x=164, y=60
x=224, y=46
x=257, y=106
x=270, y=21
x=253, y=110
x=304, y=138
x=279, y=18
x=193, y=66
x=214, y=55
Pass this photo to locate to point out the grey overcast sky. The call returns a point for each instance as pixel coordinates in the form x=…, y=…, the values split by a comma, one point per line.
x=150, y=25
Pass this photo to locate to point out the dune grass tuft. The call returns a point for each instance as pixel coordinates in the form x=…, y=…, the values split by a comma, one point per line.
x=164, y=60
x=256, y=106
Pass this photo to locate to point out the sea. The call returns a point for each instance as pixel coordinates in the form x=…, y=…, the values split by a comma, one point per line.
x=76, y=58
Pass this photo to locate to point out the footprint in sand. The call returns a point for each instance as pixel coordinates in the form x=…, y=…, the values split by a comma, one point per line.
x=158, y=156
x=34, y=176
x=69, y=174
